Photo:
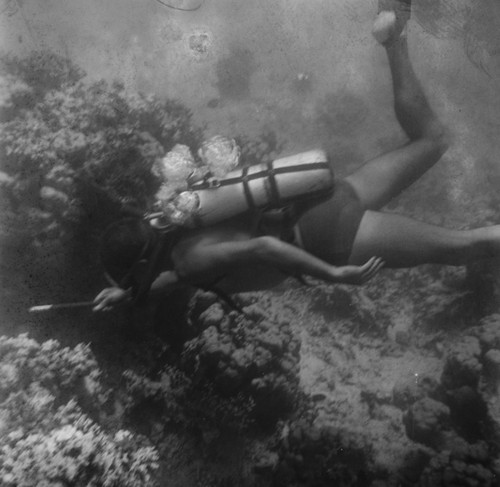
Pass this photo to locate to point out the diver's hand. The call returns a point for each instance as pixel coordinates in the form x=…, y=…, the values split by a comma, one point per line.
x=110, y=297
x=358, y=274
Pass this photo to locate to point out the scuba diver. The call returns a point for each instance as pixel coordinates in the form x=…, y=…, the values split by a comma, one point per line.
x=340, y=237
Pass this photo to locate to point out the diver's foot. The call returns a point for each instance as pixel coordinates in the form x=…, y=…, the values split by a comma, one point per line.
x=391, y=20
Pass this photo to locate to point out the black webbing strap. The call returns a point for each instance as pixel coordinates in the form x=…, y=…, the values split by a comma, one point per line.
x=273, y=185
x=308, y=166
x=246, y=188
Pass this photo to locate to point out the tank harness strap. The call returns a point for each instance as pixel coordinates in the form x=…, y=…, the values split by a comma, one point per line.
x=270, y=172
x=246, y=188
x=273, y=185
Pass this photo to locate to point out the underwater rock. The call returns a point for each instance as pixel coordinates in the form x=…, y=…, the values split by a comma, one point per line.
x=492, y=365
x=425, y=420
x=489, y=332
x=469, y=411
x=409, y=390
x=463, y=366
x=415, y=462
x=322, y=457
x=172, y=398
x=54, y=200
x=463, y=464
x=266, y=463
x=212, y=316
x=245, y=353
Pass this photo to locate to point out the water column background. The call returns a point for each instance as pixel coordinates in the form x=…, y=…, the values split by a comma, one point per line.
x=308, y=70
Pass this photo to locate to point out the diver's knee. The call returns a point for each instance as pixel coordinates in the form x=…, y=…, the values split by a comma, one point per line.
x=439, y=136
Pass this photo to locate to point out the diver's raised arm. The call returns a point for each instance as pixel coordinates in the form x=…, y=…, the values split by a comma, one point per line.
x=207, y=261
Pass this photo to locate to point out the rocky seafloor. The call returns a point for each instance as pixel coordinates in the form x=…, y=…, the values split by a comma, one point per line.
x=391, y=384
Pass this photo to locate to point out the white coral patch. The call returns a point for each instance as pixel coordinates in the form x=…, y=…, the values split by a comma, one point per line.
x=220, y=154
x=177, y=165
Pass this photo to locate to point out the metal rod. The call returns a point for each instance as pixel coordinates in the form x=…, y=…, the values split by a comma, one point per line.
x=50, y=307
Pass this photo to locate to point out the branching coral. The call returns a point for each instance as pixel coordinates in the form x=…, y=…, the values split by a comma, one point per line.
x=76, y=454
x=49, y=440
x=59, y=370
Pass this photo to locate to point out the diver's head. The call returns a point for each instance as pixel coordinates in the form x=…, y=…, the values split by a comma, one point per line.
x=126, y=246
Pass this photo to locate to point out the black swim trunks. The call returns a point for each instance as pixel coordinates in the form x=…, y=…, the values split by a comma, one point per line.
x=328, y=226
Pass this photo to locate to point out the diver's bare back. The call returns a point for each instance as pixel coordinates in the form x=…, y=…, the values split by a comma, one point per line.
x=237, y=279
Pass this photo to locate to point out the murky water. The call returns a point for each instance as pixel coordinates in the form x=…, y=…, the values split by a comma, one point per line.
x=393, y=383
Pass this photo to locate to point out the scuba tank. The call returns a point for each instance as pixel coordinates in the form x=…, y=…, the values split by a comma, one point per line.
x=259, y=187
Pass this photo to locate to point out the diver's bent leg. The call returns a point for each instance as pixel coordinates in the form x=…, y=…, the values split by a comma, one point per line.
x=404, y=242
x=381, y=179
x=384, y=177
x=411, y=106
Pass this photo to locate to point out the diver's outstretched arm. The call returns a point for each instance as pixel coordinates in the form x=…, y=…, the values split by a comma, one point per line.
x=382, y=178
x=205, y=262
x=113, y=297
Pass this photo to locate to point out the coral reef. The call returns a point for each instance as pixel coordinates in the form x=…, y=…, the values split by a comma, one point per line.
x=425, y=420
x=234, y=370
x=220, y=155
x=321, y=457
x=48, y=438
x=58, y=370
x=407, y=391
x=171, y=399
x=462, y=367
x=248, y=353
x=462, y=465
x=457, y=418
x=80, y=147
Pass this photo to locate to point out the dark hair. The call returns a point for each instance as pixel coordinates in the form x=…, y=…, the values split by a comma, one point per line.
x=123, y=244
